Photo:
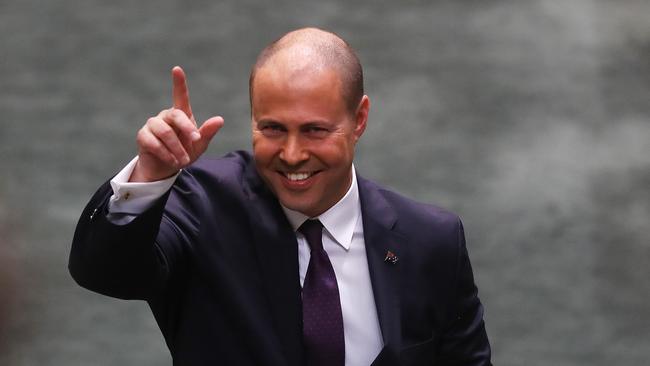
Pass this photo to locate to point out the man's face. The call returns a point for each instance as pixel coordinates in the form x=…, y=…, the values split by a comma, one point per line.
x=304, y=136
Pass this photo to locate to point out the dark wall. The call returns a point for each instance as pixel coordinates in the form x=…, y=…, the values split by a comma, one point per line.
x=528, y=118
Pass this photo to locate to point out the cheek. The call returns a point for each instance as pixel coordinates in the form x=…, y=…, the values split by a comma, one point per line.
x=263, y=150
x=341, y=149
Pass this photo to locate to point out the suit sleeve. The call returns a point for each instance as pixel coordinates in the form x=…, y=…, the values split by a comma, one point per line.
x=465, y=340
x=131, y=261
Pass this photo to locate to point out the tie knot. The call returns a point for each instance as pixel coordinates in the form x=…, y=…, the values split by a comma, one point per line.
x=313, y=231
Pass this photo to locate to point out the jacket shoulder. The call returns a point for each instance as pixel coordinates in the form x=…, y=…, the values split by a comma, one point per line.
x=229, y=166
x=412, y=213
x=229, y=173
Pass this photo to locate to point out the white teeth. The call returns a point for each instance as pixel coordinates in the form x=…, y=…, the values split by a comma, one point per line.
x=298, y=176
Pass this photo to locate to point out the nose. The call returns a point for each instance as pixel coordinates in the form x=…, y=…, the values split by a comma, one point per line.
x=293, y=152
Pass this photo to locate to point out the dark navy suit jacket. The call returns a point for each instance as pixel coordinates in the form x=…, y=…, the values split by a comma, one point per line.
x=217, y=262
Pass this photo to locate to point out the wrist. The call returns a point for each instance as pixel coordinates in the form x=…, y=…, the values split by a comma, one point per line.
x=141, y=174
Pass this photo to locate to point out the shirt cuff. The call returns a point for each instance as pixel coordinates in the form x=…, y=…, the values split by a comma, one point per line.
x=134, y=198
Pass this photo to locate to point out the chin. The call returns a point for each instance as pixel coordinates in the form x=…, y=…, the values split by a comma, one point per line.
x=299, y=206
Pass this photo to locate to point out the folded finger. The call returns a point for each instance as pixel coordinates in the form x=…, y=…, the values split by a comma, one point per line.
x=181, y=122
x=150, y=144
x=169, y=137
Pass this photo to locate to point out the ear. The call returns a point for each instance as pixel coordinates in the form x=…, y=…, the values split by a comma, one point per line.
x=361, y=117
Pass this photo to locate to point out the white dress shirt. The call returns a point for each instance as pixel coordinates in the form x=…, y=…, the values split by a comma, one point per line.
x=343, y=241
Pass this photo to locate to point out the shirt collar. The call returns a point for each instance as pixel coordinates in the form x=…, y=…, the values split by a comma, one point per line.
x=339, y=220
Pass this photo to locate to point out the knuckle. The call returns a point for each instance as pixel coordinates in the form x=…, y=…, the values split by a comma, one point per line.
x=153, y=121
x=167, y=133
x=141, y=136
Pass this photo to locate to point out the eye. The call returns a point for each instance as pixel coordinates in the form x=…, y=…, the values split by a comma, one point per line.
x=271, y=129
x=316, y=131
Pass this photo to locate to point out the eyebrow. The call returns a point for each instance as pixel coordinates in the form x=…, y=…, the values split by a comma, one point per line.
x=311, y=123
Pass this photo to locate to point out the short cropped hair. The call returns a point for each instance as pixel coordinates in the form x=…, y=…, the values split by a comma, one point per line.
x=331, y=50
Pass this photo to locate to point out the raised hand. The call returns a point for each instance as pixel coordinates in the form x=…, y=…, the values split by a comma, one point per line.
x=172, y=140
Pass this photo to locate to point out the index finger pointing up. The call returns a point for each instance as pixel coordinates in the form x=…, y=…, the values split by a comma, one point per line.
x=180, y=93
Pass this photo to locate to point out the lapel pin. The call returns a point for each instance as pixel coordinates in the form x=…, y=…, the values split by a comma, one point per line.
x=391, y=257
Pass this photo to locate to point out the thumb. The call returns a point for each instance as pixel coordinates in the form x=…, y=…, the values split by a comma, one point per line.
x=208, y=129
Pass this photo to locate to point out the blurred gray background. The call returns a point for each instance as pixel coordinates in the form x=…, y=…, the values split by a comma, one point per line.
x=531, y=119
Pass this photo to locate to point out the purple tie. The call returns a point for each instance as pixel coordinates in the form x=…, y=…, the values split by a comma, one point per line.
x=321, y=307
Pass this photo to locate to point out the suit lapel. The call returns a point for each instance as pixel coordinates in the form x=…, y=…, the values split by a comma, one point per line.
x=277, y=254
x=379, y=219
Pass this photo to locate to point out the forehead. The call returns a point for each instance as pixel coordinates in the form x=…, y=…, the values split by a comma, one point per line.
x=281, y=85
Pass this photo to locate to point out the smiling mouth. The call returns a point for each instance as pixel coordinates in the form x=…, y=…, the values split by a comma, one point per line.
x=299, y=176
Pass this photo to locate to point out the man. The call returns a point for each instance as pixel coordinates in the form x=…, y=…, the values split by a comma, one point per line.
x=286, y=257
